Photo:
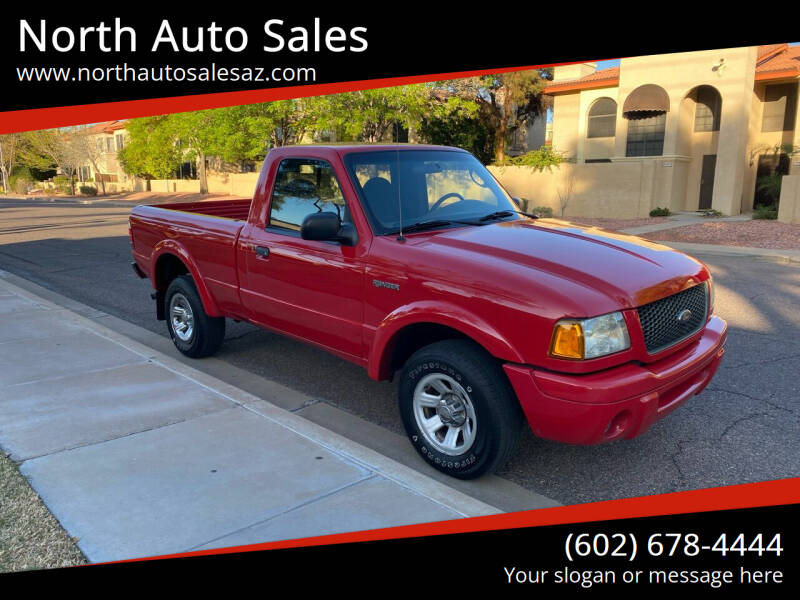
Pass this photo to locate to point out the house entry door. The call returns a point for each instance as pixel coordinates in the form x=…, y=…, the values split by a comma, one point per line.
x=707, y=180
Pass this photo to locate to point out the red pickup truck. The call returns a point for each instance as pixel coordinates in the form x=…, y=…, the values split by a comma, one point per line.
x=413, y=260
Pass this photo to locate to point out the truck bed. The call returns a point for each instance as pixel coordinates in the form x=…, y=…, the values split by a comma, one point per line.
x=203, y=233
x=236, y=209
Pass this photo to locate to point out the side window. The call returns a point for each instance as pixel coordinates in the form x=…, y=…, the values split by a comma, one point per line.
x=304, y=186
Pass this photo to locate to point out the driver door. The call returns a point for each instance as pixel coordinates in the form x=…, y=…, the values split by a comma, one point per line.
x=308, y=289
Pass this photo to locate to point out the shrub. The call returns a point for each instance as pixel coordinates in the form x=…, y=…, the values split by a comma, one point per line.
x=765, y=212
x=88, y=190
x=660, y=212
x=542, y=211
x=20, y=184
x=770, y=186
x=541, y=159
x=712, y=212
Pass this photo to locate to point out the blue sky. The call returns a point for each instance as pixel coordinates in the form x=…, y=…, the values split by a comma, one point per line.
x=607, y=64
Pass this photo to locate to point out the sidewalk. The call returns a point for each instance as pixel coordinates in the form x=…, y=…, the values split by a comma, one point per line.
x=137, y=454
x=682, y=219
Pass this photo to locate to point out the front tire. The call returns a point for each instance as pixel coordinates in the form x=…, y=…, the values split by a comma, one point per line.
x=193, y=332
x=458, y=409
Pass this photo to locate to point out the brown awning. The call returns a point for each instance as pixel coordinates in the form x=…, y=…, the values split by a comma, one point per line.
x=648, y=98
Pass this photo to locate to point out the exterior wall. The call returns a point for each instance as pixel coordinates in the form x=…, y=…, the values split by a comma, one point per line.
x=678, y=170
x=593, y=148
x=765, y=142
x=566, y=118
x=694, y=145
x=680, y=73
x=535, y=133
x=575, y=71
x=625, y=190
x=108, y=164
x=232, y=184
x=795, y=165
x=789, y=207
x=186, y=186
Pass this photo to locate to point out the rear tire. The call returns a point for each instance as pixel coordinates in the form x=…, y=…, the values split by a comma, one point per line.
x=458, y=409
x=193, y=332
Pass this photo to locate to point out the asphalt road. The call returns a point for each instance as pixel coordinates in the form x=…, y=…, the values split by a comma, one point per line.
x=743, y=428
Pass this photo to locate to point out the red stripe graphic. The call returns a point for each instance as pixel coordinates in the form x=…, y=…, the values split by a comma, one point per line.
x=64, y=116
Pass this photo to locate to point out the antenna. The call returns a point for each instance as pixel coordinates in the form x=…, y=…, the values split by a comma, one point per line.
x=400, y=237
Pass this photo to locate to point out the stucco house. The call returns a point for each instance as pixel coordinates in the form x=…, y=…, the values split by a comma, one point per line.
x=107, y=139
x=702, y=126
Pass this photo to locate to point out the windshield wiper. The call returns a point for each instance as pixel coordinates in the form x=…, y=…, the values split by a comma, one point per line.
x=506, y=213
x=423, y=225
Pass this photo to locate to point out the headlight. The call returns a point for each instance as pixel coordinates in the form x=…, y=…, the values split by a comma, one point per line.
x=590, y=338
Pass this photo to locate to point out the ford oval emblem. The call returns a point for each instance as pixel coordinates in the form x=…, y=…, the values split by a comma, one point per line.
x=684, y=315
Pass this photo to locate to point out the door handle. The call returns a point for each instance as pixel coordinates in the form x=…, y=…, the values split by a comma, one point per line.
x=261, y=251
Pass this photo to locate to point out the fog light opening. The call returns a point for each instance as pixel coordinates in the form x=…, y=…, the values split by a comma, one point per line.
x=618, y=425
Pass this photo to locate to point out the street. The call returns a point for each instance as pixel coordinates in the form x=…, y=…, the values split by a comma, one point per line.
x=743, y=428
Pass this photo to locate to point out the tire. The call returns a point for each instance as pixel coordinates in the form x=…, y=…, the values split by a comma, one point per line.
x=479, y=417
x=193, y=332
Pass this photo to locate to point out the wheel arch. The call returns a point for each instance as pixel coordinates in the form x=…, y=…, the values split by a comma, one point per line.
x=410, y=328
x=170, y=260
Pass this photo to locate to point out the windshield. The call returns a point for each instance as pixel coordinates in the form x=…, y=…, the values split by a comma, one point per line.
x=433, y=185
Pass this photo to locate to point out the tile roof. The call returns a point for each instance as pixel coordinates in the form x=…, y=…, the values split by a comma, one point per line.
x=771, y=60
x=608, y=76
x=786, y=59
x=108, y=126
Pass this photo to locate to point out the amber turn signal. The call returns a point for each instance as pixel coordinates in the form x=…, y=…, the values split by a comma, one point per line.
x=567, y=340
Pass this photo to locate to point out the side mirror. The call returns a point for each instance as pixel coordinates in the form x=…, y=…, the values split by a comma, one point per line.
x=326, y=226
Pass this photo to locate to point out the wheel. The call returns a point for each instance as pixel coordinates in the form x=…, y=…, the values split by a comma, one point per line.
x=458, y=409
x=193, y=332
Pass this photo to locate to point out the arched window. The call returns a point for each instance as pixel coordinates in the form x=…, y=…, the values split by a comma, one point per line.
x=646, y=110
x=602, y=119
x=707, y=109
x=646, y=134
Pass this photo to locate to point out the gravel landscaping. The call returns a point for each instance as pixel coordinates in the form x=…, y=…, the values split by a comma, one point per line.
x=754, y=234
x=617, y=224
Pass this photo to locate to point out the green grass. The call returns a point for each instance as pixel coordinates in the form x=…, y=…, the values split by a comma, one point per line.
x=30, y=537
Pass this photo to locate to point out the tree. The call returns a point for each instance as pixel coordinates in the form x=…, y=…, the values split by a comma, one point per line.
x=152, y=151
x=452, y=120
x=248, y=132
x=86, y=146
x=198, y=133
x=504, y=101
x=47, y=148
x=10, y=146
x=369, y=115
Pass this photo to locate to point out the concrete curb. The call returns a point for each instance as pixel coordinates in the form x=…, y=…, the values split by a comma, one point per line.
x=406, y=477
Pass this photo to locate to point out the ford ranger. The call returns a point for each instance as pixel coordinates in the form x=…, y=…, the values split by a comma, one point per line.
x=413, y=261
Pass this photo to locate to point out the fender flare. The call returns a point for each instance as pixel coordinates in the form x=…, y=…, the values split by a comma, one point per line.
x=447, y=314
x=176, y=249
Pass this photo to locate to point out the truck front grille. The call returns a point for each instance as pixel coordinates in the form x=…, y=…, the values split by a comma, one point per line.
x=665, y=322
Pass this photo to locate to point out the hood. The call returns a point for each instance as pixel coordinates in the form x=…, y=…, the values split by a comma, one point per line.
x=627, y=269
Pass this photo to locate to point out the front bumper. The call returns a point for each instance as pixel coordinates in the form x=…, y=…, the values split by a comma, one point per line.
x=622, y=402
